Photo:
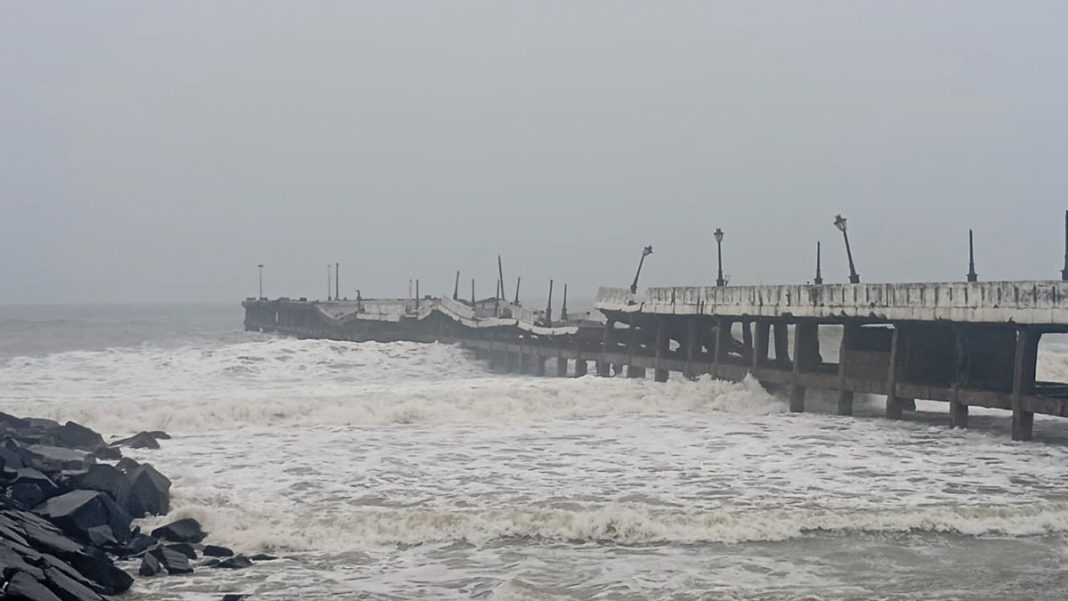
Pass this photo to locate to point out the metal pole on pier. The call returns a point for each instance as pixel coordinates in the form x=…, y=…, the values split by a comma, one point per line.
x=840, y=223
x=337, y=281
x=563, y=309
x=1064, y=272
x=972, y=276
x=329, y=285
x=549, y=306
x=261, y=281
x=718, y=234
x=456, y=287
x=648, y=250
x=517, y=280
x=472, y=293
x=819, y=274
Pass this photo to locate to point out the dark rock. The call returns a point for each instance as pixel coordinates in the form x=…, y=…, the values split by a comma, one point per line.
x=24, y=587
x=77, y=436
x=263, y=557
x=12, y=532
x=210, y=563
x=26, y=494
x=237, y=562
x=149, y=491
x=109, y=453
x=138, y=543
x=101, y=536
x=183, y=548
x=150, y=566
x=141, y=440
x=217, y=551
x=95, y=565
x=50, y=540
x=107, y=479
x=171, y=560
x=68, y=588
x=51, y=561
x=127, y=465
x=183, y=531
x=11, y=454
x=12, y=560
x=78, y=511
x=234, y=597
x=52, y=459
x=160, y=435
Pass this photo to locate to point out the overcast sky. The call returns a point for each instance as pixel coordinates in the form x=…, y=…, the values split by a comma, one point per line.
x=157, y=151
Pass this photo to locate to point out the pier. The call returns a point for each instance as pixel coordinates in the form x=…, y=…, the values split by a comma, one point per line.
x=964, y=343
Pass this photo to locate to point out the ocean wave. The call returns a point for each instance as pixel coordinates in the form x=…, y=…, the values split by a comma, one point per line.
x=403, y=400
x=361, y=530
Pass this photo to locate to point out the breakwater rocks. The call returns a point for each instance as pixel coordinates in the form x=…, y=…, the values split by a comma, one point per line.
x=68, y=500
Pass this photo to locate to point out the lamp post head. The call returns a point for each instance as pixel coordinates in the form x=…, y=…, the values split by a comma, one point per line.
x=260, y=266
x=718, y=235
x=648, y=250
x=840, y=222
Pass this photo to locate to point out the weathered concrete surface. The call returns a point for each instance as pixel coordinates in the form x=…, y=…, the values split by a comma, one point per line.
x=1025, y=302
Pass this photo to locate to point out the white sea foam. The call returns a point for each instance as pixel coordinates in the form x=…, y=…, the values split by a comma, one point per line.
x=363, y=530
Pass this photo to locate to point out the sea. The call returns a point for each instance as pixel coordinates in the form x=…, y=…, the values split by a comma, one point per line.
x=411, y=471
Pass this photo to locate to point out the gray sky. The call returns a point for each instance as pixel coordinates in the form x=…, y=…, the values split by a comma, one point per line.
x=155, y=151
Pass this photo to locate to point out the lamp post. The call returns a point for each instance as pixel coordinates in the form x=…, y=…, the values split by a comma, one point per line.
x=329, y=284
x=648, y=250
x=840, y=223
x=261, y=281
x=972, y=276
x=720, y=282
x=819, y=272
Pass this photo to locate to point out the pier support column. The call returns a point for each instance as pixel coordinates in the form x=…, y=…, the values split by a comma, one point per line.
x=691, y=347
x=537, y=365
x=561, y=367
x=958, y=415
x=580, y=367
x=1023, y=382
x=604, y=369
x=760, y=351
x=893, y=402
x=511, y=361
x=806, y=355
x=845, y=397
x=634, y=349
x=782, y=343
x=747, y=339
x=661, y=374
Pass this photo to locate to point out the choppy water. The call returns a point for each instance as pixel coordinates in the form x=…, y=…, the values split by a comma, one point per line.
x=400, y=471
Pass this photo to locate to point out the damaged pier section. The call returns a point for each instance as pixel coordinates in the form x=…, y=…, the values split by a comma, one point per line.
x=968, y=344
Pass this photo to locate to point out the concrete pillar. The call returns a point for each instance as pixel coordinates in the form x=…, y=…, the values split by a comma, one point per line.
x=561, y=367
x=782, y=343
x=958, y=415
x=537, y=365
x=511, y=361
x=747, y=338
x=893, y=402
x=845, y=402
x=661, y=374
x=580, y=367
x=634, y=348
x=806, y=355
x=845, y=397
x=607, y=346
x=760, y=350
x=1023, y=381
x=691, y=346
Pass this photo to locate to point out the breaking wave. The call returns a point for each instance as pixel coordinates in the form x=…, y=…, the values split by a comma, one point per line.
x=609, y=525
x=304, y=382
